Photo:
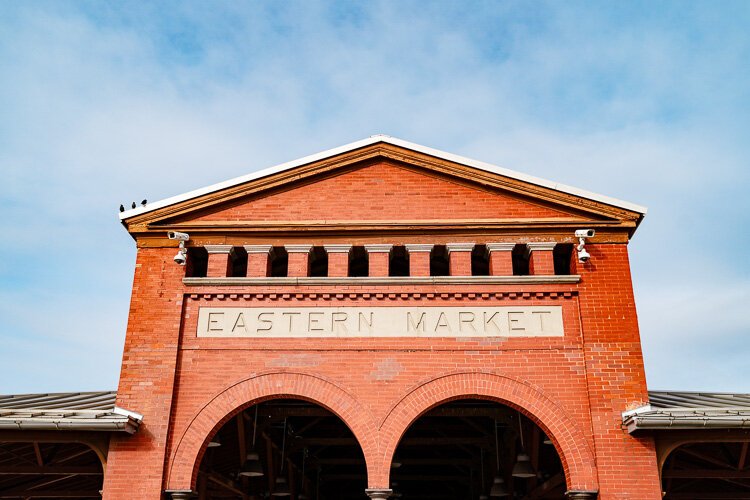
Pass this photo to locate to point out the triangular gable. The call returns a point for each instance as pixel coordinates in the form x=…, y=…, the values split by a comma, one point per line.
x=395, y=180
x=378, y=191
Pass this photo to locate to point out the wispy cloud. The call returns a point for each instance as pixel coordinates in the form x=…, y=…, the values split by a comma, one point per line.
x=110, y=103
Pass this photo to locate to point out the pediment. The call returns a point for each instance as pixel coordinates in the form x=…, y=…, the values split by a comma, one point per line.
x=378, y=183
x=381, y=190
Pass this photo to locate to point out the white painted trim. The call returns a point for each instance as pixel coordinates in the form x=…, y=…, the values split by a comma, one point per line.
x=127, y=413
x=419, y=247
x=500, y=247
x=379, y=248
x=298, y=248
x=636, y=411
x=541, y=246
x=263, y=249
x=387, y=280
x=459, y=247
x=388, y=140
x=337, y=248
x=219, y=249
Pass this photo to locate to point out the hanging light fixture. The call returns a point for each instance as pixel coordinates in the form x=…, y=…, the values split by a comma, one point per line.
x=252, y=467
x=281, y=487
x=523, y=468
x=498, y=489
x=215, y=441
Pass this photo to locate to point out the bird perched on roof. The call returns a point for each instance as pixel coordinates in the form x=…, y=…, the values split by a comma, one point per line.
x=122, y=208
x=143, y=203
x=133, y=205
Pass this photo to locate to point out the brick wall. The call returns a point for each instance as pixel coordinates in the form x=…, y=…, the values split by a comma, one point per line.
x=575, y=387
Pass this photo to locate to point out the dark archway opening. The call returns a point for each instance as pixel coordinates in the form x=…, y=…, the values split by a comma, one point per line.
x=303, y=450
x=471, y=449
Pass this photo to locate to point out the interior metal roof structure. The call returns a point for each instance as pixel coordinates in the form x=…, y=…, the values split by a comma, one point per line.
x=690, y=410
x=82, y=411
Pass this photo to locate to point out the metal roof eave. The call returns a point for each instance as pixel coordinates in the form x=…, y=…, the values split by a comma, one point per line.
x=119, y=424
x=646, y=418
x=396, y=142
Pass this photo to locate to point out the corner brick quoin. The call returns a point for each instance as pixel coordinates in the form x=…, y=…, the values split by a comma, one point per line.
x=379, y=440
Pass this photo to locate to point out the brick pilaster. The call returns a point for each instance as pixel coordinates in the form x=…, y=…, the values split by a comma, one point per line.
x=378, y=256
x=258, y=260
x=419, y=258
x=219, y=260
x=459, y=258
x=299, y=260
x=541, y=262
x=338, y=260
x=501, y=258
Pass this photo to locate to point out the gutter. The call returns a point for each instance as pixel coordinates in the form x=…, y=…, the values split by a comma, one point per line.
x=117, y=420
x=647, y=418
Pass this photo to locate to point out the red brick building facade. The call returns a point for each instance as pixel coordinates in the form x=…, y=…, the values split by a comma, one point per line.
x=383, y=224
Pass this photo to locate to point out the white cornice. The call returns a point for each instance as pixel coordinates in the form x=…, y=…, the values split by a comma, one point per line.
x=419, y=247
x=298, y=248
x=264, y=249
x=459, y=247
x=541, y=246
x=338, y=248
x=388, y=140
x=379, y=248
x=219, y=248
x=500, y=247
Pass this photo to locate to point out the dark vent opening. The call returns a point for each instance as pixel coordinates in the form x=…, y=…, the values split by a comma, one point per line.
x=439, y=264
x=197, y=262
x=480, y=261
x=398, y=264
x=238, y=265
x=521, y=260
x=359, y=262
x=561, y=256
x=318, y=262
x=279, y=263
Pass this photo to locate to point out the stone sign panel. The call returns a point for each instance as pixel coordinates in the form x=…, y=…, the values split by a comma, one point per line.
x=260, y=322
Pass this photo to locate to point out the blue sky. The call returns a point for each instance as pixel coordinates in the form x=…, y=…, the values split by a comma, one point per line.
x=103, y=103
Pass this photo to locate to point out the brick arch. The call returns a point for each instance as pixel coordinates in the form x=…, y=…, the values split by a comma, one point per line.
x=185, y=461
x=575, y=453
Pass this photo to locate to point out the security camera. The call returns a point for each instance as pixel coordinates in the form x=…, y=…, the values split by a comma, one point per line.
x=181, y=257
x=174, y=235
x=583, y=256
x=585, y=233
